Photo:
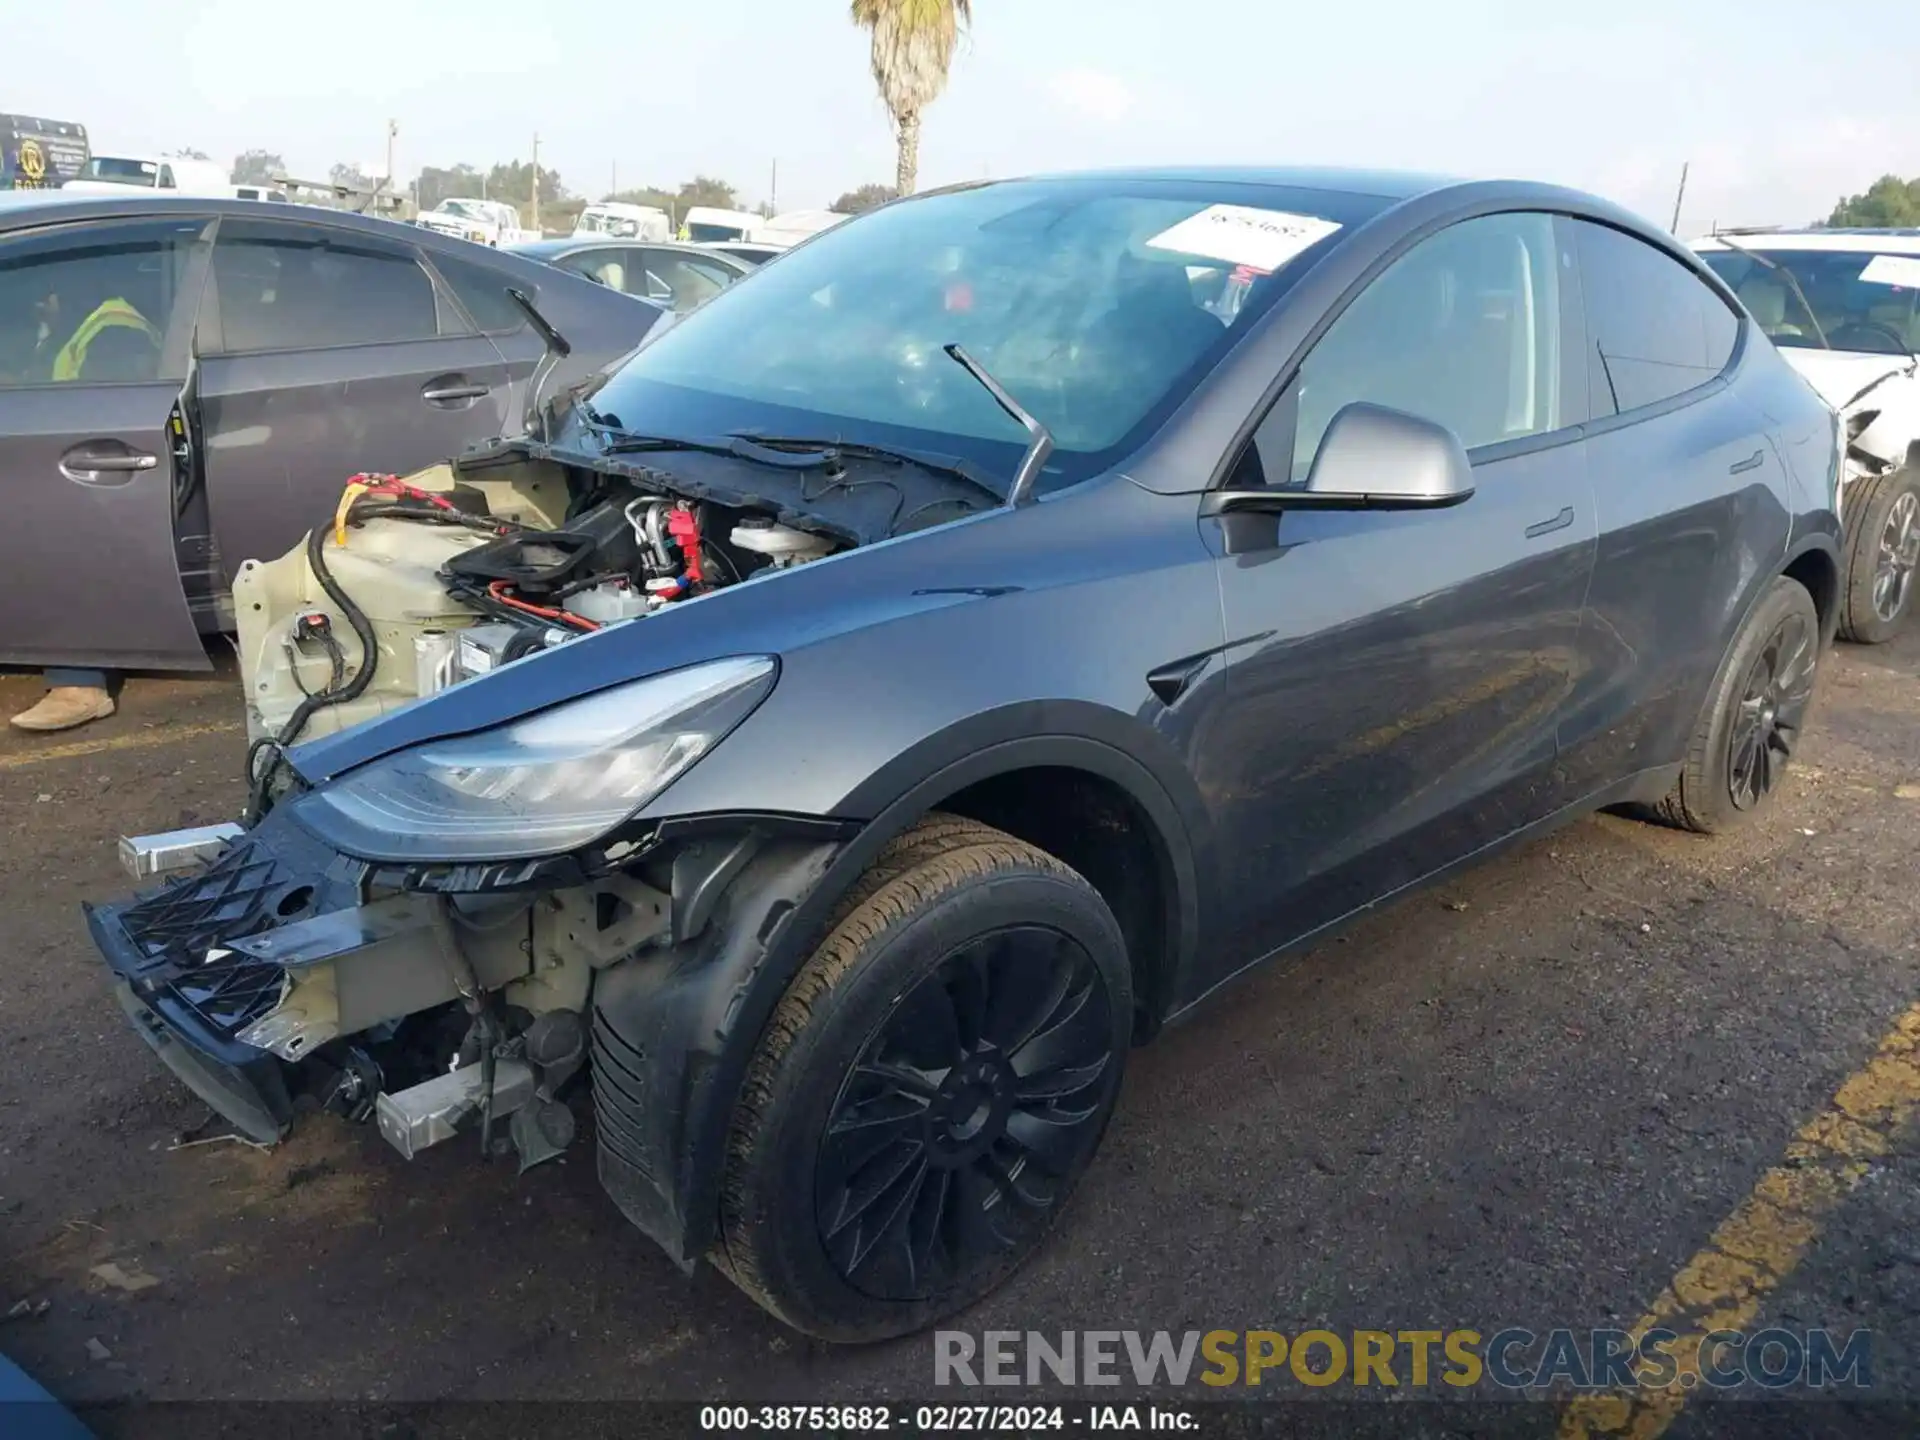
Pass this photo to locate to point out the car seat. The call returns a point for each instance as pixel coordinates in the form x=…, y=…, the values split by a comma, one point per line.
x=1766, y=297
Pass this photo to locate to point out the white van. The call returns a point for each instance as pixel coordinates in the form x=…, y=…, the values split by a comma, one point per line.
x=624, y=222
x=113, y=174
x=790, y=227
x=705, y=224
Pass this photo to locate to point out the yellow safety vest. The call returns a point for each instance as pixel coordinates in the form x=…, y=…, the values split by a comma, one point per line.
x=108, y=315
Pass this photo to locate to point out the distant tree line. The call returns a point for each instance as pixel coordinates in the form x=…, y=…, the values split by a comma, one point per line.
x=1889, y=202
x=512, y=181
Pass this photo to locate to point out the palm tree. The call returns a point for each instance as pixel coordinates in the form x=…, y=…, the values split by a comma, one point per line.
x=913, y=44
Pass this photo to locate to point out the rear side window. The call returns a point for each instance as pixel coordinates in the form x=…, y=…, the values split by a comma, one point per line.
x=90, y=304
x=1655, y=329
x=482, y=293
x=287, y=288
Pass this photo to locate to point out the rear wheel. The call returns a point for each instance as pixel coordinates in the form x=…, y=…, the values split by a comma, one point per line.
x=930, y=1088
x=1754, y=715
x=1883, y=556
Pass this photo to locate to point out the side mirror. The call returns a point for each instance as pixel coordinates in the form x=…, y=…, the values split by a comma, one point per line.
x=1371, y=458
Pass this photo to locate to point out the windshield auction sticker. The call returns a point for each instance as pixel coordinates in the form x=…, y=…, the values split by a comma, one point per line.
x=1244, y=235
x=1901, y=270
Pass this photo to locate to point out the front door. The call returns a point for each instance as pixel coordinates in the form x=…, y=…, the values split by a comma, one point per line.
x=95, y=326
x=326, y=352
x=1394, y=679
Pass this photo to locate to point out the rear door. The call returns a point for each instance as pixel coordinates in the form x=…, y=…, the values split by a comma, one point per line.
x=325, y=352
x=1687, y=485
x=87, y=447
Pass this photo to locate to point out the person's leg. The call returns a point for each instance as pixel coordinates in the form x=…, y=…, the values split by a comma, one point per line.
x=73, y=698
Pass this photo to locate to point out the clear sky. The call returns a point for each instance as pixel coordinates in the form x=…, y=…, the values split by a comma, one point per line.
x=1781, y=105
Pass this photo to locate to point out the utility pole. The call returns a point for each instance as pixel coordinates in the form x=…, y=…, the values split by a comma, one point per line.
x=773, y=189
x=1682, y=195
x=393, y=129
x=613, y=178
x=536, y=180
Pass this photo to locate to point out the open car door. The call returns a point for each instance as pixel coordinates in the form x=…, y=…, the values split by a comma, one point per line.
x=95, y=327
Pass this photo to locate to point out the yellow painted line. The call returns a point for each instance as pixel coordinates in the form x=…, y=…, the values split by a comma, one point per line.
x=139, y=740
x=1758, y=1246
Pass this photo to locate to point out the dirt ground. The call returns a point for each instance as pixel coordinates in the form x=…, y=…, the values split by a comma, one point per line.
x=1526, y=1098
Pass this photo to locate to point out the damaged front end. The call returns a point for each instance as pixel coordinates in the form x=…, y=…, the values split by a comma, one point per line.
x=288, y=977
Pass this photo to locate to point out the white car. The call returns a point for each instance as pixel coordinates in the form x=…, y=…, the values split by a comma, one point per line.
x=1843, y=306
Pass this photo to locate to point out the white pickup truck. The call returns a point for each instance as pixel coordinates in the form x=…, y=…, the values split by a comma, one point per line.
x=485, y=222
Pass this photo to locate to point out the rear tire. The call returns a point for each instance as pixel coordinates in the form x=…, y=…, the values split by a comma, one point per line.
x=1883, y=557
x=1754, y=715
x=928, y=1091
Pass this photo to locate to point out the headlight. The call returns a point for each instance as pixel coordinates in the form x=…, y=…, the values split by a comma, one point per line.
x=542, y=785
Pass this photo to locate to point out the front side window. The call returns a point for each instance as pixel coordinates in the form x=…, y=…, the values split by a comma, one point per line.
x=1861, y=300
x=1099, y=304
x=1462, y=330
x=1656, y=329
x=90, y=305
x=684, y=281
x=287, y=288
x=609, y=268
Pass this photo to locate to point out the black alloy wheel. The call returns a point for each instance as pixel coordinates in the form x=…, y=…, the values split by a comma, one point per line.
x=929, y=1088
x=1772, y=712
x=950, y=1138
x=1753, y=716
x=1882, y=556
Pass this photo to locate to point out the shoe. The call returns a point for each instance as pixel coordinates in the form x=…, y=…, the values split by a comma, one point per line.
x=64, y=707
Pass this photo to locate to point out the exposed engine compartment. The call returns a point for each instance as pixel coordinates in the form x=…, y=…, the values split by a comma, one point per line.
x=458, y=570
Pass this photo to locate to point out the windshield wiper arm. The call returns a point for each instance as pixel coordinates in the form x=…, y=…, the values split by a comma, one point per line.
x=1021, y=491
x=794, y=452
x=1788, y=276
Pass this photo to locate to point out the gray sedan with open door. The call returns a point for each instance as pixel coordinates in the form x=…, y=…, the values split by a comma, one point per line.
x=186, y=384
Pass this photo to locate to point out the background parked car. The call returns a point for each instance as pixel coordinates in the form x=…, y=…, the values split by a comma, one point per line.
x=682, y=277
x=271, y=353
x=1844, y=308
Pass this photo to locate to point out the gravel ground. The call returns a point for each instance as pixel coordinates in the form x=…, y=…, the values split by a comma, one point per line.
x=1524, y=1099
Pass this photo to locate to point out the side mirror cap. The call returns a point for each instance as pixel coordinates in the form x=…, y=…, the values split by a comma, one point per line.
x=1371, y=458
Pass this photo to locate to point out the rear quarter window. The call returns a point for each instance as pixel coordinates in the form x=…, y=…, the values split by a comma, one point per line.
x=1655, y=328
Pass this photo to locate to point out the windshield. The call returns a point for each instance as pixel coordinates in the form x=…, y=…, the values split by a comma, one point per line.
x=126, y=172
x=469, y=209
x=1861, y=300
x=1097, y=303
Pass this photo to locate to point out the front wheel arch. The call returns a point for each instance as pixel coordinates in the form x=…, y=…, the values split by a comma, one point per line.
x=675, y=1032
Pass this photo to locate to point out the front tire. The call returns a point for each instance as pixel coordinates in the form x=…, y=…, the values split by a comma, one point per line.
x=1754, y=715
x=928, y=1091
x=1883, y=557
